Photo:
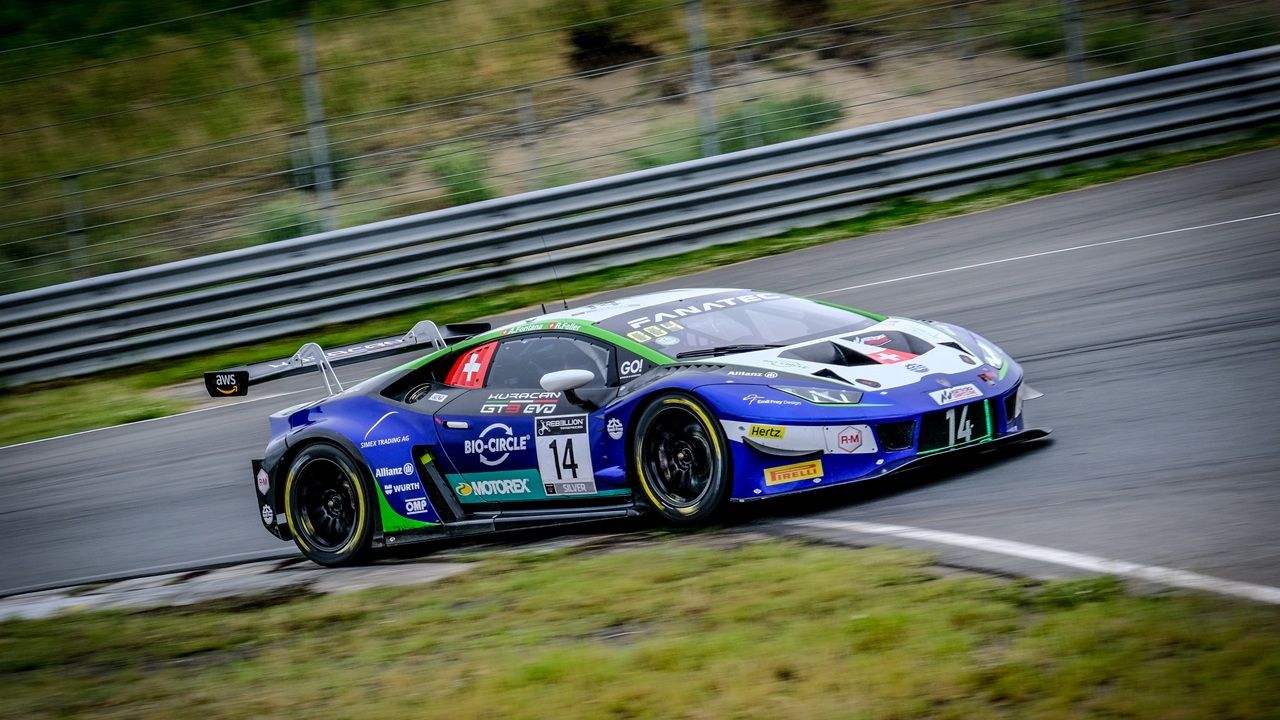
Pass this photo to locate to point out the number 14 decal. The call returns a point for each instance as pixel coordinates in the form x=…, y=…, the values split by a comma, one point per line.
x=959, y=428
x=564, y=455
x=564, y=462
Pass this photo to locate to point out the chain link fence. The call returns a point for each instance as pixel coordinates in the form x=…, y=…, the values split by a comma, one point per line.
x=263, y=121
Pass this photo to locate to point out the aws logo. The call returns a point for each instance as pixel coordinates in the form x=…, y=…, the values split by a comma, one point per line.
x=227, y=383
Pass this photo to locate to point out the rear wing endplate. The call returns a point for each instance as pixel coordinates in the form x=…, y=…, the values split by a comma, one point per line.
x=426, y=334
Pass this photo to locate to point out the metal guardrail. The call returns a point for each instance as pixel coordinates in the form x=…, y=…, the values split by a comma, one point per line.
x=297, y=285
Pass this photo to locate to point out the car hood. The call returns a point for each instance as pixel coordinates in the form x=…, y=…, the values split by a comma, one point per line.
x=894, y=353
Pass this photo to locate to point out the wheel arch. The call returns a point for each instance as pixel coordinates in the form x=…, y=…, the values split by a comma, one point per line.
x=704, y=406
x=321, y=436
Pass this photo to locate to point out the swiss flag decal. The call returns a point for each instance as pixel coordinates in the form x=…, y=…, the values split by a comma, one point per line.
x=889, y=357
x=471, y=366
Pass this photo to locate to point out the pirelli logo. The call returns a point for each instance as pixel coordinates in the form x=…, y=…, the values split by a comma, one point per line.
x=793, y=473
x=767, y=431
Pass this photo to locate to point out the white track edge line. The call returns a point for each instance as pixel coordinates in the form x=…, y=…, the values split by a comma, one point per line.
x=1151, y=573
x=154, y=419
x=1046, y=252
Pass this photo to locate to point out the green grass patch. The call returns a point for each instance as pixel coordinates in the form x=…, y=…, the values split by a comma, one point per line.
x=462, y=169
x=674, y=628
x=45, y=411
x=768, y=121
x=133, y=402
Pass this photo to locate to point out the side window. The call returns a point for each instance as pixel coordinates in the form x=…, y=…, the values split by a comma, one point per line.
x=521, y=362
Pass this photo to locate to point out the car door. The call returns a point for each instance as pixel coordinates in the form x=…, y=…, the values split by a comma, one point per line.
x=509, y=440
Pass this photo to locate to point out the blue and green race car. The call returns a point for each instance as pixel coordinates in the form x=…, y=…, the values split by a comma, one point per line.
x=673, y=402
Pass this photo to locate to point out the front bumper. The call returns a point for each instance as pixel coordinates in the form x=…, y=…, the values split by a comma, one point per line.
x=916, y=463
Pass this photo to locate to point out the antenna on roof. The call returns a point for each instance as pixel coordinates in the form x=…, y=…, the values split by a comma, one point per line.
x=554, y=274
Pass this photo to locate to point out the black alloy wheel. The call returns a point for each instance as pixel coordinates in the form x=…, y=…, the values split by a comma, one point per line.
x=681, y=459
x=327, y=505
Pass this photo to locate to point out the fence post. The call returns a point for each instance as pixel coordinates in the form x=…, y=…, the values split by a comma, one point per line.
x=524, y=112
x=750, y=116
x=317, y=135
x=76, y=259
x=960, y=21
x=702, y=79
x=1182, y=30
x=1071, y=23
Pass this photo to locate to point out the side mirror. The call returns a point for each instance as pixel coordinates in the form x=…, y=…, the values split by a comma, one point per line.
x=566, y=380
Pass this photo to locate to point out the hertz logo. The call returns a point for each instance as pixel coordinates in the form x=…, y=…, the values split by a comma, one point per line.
x=793, y=473
x=767, y=431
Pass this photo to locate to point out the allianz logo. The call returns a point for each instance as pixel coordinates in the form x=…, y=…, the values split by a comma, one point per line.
x=406, y=469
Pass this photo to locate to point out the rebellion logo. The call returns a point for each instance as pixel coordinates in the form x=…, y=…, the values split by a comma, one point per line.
x=793, y=473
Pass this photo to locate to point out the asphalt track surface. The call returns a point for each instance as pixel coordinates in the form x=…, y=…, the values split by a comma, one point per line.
x=1155, y=343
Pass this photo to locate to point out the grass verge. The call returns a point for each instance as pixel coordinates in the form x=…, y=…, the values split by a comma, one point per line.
x=675, y=628
x=25, y=413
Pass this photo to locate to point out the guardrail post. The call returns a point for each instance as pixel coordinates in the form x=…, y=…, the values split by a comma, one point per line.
x=316, y=132
x=702, y=79
x=1072, y=33
x=76, y=259
x=524, y=111
x=960, y=23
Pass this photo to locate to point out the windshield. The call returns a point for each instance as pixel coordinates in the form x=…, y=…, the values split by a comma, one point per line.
x=711, y=321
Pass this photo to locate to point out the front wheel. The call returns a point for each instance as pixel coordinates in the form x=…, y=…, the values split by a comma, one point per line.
x=328, y=506
x=680, y=458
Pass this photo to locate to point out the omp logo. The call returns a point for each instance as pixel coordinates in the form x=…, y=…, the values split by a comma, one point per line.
x=486, y=488
x=955, y=394
x=793, y=473
x=767, y=431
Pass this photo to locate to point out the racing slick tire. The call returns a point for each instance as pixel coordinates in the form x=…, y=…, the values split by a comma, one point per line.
x=329, y=506
x=681, y=459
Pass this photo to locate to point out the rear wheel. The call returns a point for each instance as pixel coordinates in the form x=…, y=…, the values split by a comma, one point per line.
x=328, y=506
x=680, y=457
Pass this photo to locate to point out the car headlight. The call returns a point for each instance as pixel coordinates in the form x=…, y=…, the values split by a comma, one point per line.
x=990, y=355
x=823, y=396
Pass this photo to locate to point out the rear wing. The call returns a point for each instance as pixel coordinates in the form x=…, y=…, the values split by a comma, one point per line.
x=236, y=381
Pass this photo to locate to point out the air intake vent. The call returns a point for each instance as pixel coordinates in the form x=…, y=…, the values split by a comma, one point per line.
x=829, y=375
x=827, y=353
x=1010, y=405
x=896, y=435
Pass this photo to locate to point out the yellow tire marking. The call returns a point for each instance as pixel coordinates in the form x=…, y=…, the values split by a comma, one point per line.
x=715, y=441
x=361, y=510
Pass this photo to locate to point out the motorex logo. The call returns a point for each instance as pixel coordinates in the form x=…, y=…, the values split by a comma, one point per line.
x=491, y=488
